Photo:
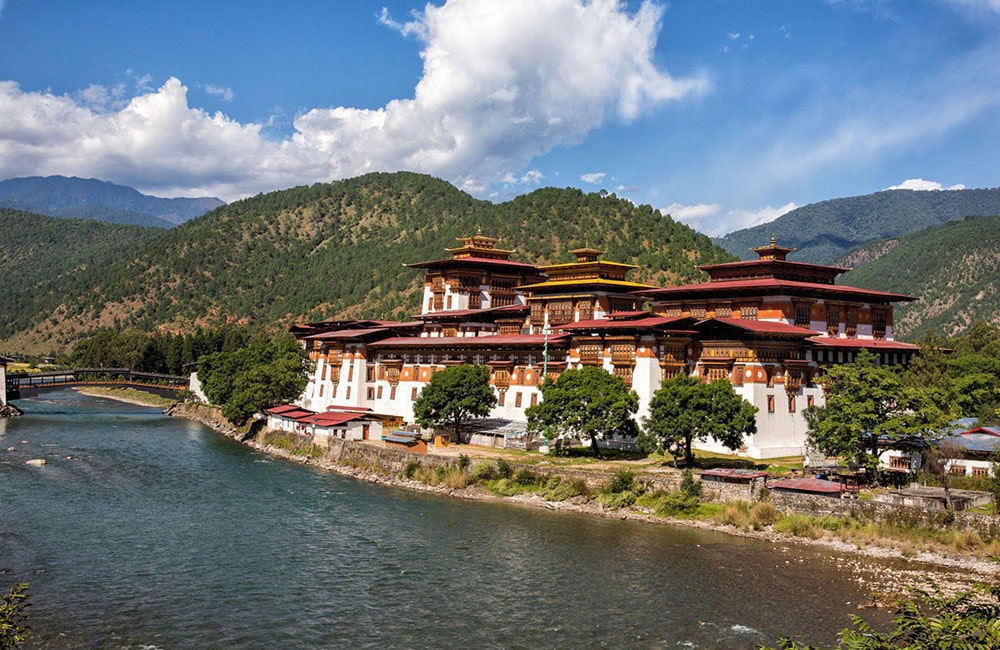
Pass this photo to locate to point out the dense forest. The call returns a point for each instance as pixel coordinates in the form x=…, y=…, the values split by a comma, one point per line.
x=337, y=250
x=823, y=231
x=88, y=198
x=953, y=269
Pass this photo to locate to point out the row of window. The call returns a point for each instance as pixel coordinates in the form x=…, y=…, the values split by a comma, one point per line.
x=810, y=401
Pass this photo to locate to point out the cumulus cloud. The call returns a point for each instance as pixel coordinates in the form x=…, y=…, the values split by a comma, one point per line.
x=503, y=82
x=692, y=215
x=740, y=219
x=920, y=184
x=224, y=93
x=593, y=178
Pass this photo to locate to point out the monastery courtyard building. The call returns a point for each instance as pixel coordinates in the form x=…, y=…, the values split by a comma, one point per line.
x=770, y=326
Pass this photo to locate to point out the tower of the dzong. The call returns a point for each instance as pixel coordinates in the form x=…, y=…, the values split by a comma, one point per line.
x=477, y=276
x=583, y=290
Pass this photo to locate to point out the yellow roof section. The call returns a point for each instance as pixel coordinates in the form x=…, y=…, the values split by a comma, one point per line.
x=571, y=283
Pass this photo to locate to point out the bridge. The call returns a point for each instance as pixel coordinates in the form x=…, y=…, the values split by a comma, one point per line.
x=19, y=385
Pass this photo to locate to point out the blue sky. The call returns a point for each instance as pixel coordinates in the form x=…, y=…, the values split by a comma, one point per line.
x=726, y=113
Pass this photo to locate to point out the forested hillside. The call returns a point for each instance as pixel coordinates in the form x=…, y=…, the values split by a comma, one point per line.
x=338, y=249
x=44, y=260
x=823, y=231
x=88, y=198
x=954, y=269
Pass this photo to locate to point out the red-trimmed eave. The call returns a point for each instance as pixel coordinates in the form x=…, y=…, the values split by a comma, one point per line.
x=283, y=408
x=769, y=286
x=869, y=344
x=520, y=340
x=474, y=261
x=814, y=485
x=651, y=322
x=708, y=268
x=340, y=335
x=461, y=313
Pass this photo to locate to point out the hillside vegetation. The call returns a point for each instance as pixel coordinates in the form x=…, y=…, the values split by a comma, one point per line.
x=338, y=249
x=44, y=260
x=88, y=198
x=954, y=269
x=822, y=232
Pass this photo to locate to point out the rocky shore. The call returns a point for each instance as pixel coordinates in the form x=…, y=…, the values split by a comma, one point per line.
x=950, y=571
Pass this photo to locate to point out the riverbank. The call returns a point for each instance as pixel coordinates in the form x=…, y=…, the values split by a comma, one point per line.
x=127, y=395
x=952, y=570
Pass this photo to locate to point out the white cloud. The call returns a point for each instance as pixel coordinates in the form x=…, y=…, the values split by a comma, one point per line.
x=976, y=5
x=224, y=93
x=593, y=178
x=503, y=82
x=740, y=219
x=920, y=184
x=692, y=215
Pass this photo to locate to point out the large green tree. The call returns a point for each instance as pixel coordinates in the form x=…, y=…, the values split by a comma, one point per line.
x=685, y=409
x=271, y=369
x=587, y=403
x=870, y=408
x=453, y=396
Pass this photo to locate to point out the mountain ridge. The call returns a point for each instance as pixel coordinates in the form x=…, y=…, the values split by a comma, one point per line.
x=90, y=198
x=820, y=232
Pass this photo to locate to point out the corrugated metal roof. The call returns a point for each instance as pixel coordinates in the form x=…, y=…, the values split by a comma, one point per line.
x=810, y=485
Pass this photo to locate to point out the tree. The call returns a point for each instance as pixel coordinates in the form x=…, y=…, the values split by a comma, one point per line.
x=869, y=408
x=13, y=628
x=685, y=409
x=267, y=371
x=928, y=620
x=585, y=403
x=455, y=395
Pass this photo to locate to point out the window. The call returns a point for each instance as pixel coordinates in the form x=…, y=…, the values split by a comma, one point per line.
x=348, y=396
x=413, y=393
x=500, y=397
x=560, y=312
x=832, y=320
x=770, y=403
x=791, y=403
x=392, y=392
x=956, y=470
x=517, y=400
x=370, y=373
x=534, y=399
x=980, y=472
x=350, y=372
x=371, y=392
x=899, y=462
x=802, y=317
x=748, y=312
x=878, y=324
x=379, y=392
x=585, y=308
x=810, y=400
x=321, y=390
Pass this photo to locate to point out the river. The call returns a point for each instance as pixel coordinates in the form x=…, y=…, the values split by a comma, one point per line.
x=144, y=531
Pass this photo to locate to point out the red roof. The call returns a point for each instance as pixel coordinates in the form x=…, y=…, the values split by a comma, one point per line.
x=813, y=485
x=774, y=263
x=770, y=285
x=735, y=474
x=869, y=344
x=466, y=341
x=761, y=326
x=305, y=416
x=473, y=261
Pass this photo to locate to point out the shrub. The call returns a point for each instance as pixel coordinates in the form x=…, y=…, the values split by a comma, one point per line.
x=463, y=462
x=456, y=478
x=690, y=487
x=524, y=476
x=735, y=514
x=411, y=468
x=799, y=526
x=623, y=481
x=483, y=470
x=504, y=487
x=763, y=513
x=671, y=504
x=617, y=499
x=502, y=468
x=557, y=489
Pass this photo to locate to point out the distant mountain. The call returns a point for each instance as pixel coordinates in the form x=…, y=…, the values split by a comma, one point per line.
x=88, y=198
x=953, y=269
x=45, y=260
x=337, y=250
x=821, y=232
